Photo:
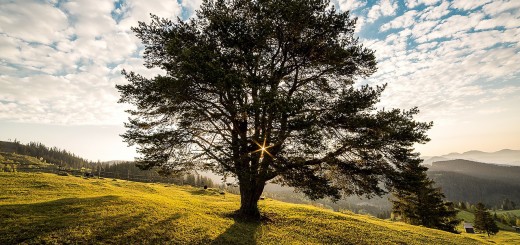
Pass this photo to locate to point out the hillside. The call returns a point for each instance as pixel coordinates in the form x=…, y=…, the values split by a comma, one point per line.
x=506, y=156
x=501, y=173
x=51, y=155
x=463, y=187
x=46, y=208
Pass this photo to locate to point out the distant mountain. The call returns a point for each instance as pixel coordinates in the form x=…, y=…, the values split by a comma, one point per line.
x=503, y=173
x=506, y=156
x=430, y=160
x=462, y=187
x=464, y=180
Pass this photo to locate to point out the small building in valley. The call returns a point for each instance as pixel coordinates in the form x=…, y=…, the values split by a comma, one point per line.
x=468, y=227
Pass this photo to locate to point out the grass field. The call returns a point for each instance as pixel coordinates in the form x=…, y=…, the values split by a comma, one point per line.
x=40, y=208
x=470, y=217
x=515, y=212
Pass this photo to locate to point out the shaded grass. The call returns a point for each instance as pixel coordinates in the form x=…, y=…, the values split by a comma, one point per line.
x=46, y=208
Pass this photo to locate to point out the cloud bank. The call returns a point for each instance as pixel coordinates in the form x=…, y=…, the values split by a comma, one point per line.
x=60, y=60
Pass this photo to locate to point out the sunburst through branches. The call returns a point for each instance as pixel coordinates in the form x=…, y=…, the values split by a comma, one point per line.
x=263, y=148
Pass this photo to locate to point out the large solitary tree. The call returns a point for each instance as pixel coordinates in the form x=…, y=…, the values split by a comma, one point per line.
x=263, y=90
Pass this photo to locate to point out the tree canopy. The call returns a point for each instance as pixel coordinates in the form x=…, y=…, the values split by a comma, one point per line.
x=484, y=221
x=264, y=90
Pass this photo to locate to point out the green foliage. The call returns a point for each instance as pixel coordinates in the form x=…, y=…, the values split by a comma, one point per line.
x=484, y=221
x=49, y=209
x=418, y=202
x=263, y=90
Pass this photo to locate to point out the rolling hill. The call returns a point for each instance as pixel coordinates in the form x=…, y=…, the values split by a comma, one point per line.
x=503, y=173
x=469, y=181
x=40, y=208
x=505, y=156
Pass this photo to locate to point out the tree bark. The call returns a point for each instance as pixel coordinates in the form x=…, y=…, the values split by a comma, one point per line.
x=249, y=196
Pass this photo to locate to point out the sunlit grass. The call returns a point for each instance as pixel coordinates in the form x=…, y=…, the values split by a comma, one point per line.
x=46, y=208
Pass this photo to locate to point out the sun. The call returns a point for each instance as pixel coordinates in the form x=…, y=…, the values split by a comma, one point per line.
x=263, y=148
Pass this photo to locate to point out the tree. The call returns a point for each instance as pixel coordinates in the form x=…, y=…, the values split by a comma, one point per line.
x=418, y=202
x=462, y=205
x=484, y=221
x=264, y=91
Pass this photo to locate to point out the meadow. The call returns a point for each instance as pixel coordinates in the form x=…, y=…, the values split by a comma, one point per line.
x=46, y=208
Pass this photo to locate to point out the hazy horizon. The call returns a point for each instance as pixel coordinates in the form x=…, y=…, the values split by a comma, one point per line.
x=456, y=60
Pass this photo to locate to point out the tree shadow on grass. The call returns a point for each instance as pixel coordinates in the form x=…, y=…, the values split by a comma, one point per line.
x=241, y=232
x=72, y=220
x=24, y=222
x=207, y=192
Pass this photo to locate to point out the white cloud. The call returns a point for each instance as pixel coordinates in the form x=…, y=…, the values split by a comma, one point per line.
x=469, y=5
x=506, y=20
x=91, y=20
x=415, y=3
x=383, y=8
x=451, y=26
x=444, y=74
x=436, y=12
x=348, y=5
x=403, y=21
x=33, y=22
x=72, y=61
x=63, y=70
x=500, y=6
x=420, y=29
x=140, y=10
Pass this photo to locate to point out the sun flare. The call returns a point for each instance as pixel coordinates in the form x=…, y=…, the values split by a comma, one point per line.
x=263, y=148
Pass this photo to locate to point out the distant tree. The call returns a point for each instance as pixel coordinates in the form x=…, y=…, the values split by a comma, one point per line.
x=264, y=91
x=518, y=222
x=462, y=205
x=416, y=201
x=507, y=204
x=483, y=220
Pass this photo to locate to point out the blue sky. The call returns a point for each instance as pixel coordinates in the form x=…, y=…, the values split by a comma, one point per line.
x=458, y=61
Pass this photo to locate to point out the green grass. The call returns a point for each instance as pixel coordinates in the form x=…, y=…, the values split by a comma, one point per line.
x=17, y=159
x=516, y=212
x=470, y=217
x=38, y=208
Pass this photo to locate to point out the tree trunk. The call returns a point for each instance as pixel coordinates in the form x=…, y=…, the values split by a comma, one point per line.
x=249, y=196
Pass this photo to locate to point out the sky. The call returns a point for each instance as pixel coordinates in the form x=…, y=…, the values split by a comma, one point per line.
x=457, y=61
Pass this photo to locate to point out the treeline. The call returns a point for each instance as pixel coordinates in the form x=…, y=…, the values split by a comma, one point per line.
x=505, y=206
x=69, y=162
x=460, y=187
x=51, y=155
x=129, y=171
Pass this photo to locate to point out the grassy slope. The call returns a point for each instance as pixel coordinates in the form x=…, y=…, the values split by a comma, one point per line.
x=515, y=212
x=16, y=159
x=470, y=217
x=46, y=208
x=504, y=236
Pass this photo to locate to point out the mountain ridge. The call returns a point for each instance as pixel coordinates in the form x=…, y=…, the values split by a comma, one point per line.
x=503, y=157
